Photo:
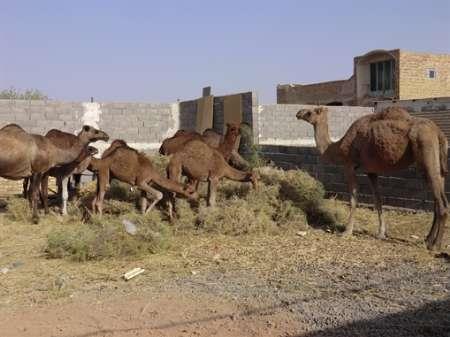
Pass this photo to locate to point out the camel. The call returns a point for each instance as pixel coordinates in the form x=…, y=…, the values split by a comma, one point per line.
x=225, y=144
x=382, y=142
x=24, y=155
x=200, y=162
x=68, y=142
x=128, y=165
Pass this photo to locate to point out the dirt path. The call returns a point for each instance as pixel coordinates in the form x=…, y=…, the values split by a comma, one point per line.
x=338, y=300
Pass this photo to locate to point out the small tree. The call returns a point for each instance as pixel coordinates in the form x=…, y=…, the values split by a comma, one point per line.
x=29, y=94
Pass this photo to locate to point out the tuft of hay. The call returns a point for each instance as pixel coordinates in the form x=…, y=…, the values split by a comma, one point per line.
x=18, y=209
x=104, y=237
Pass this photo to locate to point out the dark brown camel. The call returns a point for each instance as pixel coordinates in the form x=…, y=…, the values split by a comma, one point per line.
x=200, y=162
x=25, y=155
x=225, y=144
x=383, y=142
x=68, y=142
x=126, y=164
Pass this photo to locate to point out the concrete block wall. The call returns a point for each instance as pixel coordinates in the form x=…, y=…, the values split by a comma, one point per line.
x=142, y=125
x=277, y=124
x=405, y=188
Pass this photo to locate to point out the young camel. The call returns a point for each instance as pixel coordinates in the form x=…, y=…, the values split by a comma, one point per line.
x=382, y=142
x=128, y=165
x=225, y=144
x=68, y=142
x=25, y=155
x=200, y=162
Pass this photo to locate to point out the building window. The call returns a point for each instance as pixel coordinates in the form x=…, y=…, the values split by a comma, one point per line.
x=382, y=76
x=431, y=73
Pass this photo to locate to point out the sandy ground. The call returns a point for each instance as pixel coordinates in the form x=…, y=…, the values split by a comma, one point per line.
x=317, y=284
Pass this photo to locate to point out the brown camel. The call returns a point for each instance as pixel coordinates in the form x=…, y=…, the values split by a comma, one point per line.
x=382, y=142
x=200, y=162
x=68, y=142
x=225, y=144
x=128, y=165
x=25, y=155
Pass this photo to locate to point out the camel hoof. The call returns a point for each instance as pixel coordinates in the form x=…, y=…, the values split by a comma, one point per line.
x=35, y=220
x=382, y=236
x=431, y=246
x=346, y=234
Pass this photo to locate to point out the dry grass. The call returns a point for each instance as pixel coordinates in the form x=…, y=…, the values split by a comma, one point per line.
x=249, y=230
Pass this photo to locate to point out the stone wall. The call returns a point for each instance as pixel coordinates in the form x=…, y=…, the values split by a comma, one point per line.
x=414, y=80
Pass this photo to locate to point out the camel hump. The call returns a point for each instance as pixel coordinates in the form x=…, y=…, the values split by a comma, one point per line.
x=12, y=129
x=62, y=139
x=393, y=113
x=389, y=139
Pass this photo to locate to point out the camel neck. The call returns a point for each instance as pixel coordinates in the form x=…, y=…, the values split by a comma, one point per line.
x=236, y=175
x=322, y=137
x=328, y=150
x=228, y=144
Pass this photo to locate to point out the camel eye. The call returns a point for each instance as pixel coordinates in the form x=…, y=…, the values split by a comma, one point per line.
x=308, y=114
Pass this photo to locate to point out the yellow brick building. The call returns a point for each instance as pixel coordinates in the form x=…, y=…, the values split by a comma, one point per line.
x=378, y=75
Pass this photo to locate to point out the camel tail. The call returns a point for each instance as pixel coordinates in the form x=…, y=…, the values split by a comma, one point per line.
x=170, y=185
x=443, y=154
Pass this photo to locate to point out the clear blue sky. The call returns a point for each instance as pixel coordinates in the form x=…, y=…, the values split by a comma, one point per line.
x=163, y=50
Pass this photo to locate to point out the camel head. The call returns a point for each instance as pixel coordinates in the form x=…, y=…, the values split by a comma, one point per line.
x=313, y=116
x=92, y=151
x=91, y=134
x=233, y=129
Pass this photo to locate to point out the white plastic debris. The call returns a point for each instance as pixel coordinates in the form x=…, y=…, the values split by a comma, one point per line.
x=301, y=233
x=130, y=227
x=4, y=270
x=415, y=237
x=133, y=273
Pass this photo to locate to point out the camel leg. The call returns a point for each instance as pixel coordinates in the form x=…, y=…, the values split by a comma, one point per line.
x=44, y=193
x=35, y=184
x=102, y=182
x=351, y=177
x=174, y=174
x=64, y=194
x=212, y=189
x=143, y=202
x=157, y=195
x=436, y=234
x=25, y=188
x=373, y=178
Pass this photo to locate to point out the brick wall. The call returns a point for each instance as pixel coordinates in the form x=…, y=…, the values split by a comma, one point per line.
x=317, y=93
x=414, y=81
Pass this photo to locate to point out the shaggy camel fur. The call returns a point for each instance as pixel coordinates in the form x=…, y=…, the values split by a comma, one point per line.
x=23, y=155
x=200, y=162
x=382, y=142
x=68, y=142
x=126, y=164
x=225, y=144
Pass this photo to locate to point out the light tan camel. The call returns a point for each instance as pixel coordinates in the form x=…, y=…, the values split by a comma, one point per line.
x=70, y=143
x=25, y=155
x=126, y=164
x=200, y=162
x=382, y=142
